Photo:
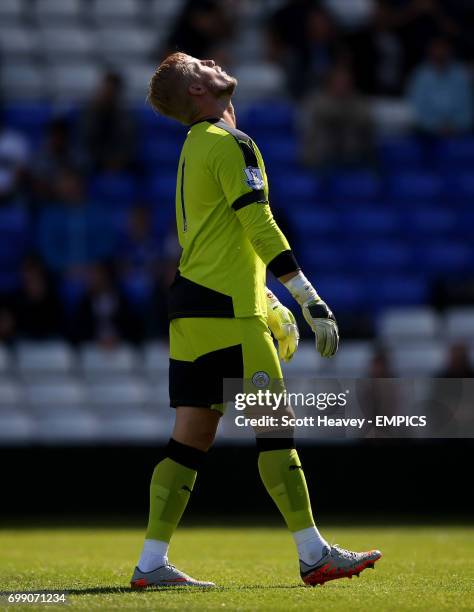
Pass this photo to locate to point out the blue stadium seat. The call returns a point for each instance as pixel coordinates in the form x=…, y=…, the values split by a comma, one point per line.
x=258, y=116
x=369, y=221
x=160, y=154
x=147, y=119
x=455, y=154
x=312, y=222
x=164, y=215
x=161, y=190
x=294, y=187
x=445, y=258
x=465, y=222
x=412, y=187
x=400, y=153
x=14, y=237
x=322, y=256
x=359, y=186
x=278, y=150
x=430, y=221
x=383, y=291
x=119, y=219
x=460, y=187
x=138, y=289
x=385, y=256
x=29, y=118
x=345, y=293
x=113, y=189
x=71, y=291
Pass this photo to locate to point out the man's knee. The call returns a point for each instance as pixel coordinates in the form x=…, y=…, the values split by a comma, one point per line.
x=196, y=427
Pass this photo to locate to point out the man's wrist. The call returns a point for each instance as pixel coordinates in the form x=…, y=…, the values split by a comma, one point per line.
x=301, y=289
x=272, y=299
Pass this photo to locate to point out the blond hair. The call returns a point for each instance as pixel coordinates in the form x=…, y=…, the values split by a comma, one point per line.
x=168, y=89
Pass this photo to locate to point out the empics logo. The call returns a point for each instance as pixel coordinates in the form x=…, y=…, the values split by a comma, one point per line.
x=254, y=178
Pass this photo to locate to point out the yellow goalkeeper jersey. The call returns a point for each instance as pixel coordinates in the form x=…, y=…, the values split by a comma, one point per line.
x=225, y=225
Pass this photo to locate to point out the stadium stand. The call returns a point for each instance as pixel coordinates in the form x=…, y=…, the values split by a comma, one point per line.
x=378, y=238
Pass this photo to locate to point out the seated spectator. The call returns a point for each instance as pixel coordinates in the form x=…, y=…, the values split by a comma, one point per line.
x=37, y=307
x=337, y=126
x=14, y=165
x=308, y=57
x=378, y=55
x=458, y=363
x=419, y=21
x=139, y=255
x=106, y=128
x=321, y=49
x=74, y=232
x=284, y=28
x=379, y=365
x=201, y=27
x=440, y=91
x=7, y=323
x=104, y=315
x=55, y=154
x=139, y=252
x=14, y=221
x=157, y=319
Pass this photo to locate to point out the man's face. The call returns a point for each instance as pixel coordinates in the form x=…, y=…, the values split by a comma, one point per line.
x=213, y=78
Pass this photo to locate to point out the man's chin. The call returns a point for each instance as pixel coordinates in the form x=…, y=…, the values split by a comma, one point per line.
x=228, y=90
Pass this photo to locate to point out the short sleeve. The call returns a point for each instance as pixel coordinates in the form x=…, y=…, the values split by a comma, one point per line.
x=235, y=166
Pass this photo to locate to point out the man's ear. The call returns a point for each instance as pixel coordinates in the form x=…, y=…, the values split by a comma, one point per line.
x=197, y=89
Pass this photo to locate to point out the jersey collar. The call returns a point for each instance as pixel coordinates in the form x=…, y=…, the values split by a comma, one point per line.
x=208, y=119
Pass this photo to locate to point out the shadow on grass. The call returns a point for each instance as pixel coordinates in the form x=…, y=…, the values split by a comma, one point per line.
x=178, y=589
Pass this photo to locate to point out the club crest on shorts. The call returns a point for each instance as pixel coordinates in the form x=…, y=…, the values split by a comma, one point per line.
x=260, y=379
x=254, y=177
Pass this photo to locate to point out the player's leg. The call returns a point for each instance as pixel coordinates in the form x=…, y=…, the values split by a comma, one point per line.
x=282, y=474
x=196, y=356
x=170, y=489
x=278, y=462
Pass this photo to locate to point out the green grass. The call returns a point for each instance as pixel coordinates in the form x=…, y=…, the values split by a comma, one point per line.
x=426, y=569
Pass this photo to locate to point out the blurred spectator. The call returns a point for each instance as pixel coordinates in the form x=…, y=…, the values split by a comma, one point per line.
x=104, y=314
x=139, y=250
x=37, y=307
x=377, y=52
x=7, y=323
x=14, y=219
x=202, y=27
x=458, y=364
x=320, y=50
x=419, y=21
x=440, y=91
x=157, y=320
x=377, y=393
x=14, y=160
x=308, y=56
x=337, y=127
x=284, y=27
x=107, y=129
x=352, y=15
x=75, y=232
x=379, y=365
x=139, y=255
x=56, y=153
x=453, y=292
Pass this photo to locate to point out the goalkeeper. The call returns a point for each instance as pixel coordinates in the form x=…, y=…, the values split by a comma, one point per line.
x=220, y=313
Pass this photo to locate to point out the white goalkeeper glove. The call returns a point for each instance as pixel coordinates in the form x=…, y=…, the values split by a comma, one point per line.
x=317, y=313
x=283, y=326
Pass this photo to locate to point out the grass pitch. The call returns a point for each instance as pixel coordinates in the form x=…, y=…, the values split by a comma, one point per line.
x=426, y=569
